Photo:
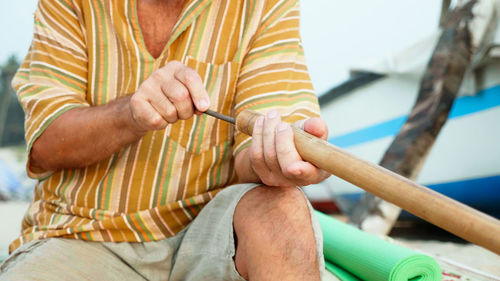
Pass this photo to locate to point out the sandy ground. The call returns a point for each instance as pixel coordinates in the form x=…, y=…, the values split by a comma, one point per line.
x=11, y=214
x=447, y=248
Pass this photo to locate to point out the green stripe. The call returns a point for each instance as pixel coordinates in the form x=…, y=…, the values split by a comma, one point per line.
x=265, y=53
x=65, y=188
x=219, y=173
x=169, y=173
x=161, y=166
x=186, y=19
x=100, y=188
x=104, y=75
x=195, y=205
x=201, y=31
x=34, y=92
x=201, y=120
x=39, y=23
x=188, y=209
x=143, y=227
x=272, y=104
x=266, y=20
x=68, y=6
x=284, y=100
x=109, y=186
x=245, y=24
x=48, y=75
x=134, y=228
x=216, y=163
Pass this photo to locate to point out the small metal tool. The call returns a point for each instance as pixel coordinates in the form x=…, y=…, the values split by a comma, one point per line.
x=220, y=116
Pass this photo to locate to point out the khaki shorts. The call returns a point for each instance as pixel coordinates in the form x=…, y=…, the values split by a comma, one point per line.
x=202, y=251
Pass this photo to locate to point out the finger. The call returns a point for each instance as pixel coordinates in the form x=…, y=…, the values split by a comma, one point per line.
x=271, y=121
x=286, y=151
x=163, y=106
x=178, y=95
x=192, y=81
x=309, y=174
x=145, y=115
x=257, y=152
x=314, y=126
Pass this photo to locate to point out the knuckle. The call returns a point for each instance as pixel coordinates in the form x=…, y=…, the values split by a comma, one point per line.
x=158, y=75
x=191, y=76
x=268, y=180
x=270, y=155
x=283, y=149
x=185, y=114
x=286, y=173
x=180, y=93
x=256, y=156
x=156, y=122
x=135, y=100
x=171, y=114
x=267, y=133
x=174, y=63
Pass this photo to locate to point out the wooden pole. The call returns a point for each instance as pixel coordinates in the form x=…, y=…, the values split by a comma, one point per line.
x=453, y=216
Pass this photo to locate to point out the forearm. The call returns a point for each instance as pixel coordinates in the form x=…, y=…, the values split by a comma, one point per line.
x=84, y=136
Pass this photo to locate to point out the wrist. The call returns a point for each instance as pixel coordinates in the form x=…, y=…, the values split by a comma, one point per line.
x=125, y=120
x=243, y=168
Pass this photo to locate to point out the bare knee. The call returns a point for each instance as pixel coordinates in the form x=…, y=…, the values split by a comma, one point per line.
x=274, y=220
x=266, y=206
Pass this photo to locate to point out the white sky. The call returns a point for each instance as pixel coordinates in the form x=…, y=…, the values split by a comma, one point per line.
x=335, y=33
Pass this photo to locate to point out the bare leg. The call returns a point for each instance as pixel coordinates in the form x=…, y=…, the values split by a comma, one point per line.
x=275, y=238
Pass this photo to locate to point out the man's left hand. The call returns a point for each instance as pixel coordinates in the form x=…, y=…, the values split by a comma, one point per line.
x=273, y=157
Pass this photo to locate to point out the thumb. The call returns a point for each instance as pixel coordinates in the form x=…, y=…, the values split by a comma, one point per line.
x=314, y=126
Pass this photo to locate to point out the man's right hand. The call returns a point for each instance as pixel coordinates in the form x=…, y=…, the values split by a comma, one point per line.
x=172, y=92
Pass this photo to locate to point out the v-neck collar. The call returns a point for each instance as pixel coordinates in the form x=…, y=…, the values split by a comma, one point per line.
x=191, y=10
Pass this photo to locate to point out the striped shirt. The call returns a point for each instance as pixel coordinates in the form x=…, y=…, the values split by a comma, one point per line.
x=88, y=52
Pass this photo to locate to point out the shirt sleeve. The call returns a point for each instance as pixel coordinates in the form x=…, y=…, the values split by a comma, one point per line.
x=274, y=74
x=53, y=77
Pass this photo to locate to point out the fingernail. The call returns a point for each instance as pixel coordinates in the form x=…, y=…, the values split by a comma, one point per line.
x=272, y=114
x=297, y=172
x=204, y=104
x=282, y=126
x=260, y=121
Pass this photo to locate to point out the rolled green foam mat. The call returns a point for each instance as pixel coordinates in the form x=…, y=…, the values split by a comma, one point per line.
x=370, y=258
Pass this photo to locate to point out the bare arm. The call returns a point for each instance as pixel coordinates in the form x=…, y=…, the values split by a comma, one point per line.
x=84, y=136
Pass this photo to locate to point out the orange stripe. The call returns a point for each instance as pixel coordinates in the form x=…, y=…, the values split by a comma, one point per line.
x=29, y=90
x=218, y=166
x=164, y=172
x=83, y=86
x=190, y=206
x=268, y=101
x=139, y=228
x=271, y=20
x=138, y=35
x=101, y=53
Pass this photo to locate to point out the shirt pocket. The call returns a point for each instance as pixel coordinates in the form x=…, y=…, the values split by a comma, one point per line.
x=202, y=132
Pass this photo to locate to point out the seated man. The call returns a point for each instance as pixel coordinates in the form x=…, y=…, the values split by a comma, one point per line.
x=134, y=182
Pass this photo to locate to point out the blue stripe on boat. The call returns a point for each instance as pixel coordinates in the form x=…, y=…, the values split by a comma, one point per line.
x=480, y=193
x=485, y=99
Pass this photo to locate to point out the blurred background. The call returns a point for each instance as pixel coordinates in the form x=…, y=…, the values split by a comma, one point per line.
x=366, y=60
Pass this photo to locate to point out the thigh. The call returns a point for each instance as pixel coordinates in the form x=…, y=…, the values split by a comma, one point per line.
x=65, y=259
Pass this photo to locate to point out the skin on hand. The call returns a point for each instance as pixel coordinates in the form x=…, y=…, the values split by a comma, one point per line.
x=273, y=157
x=172, y=92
